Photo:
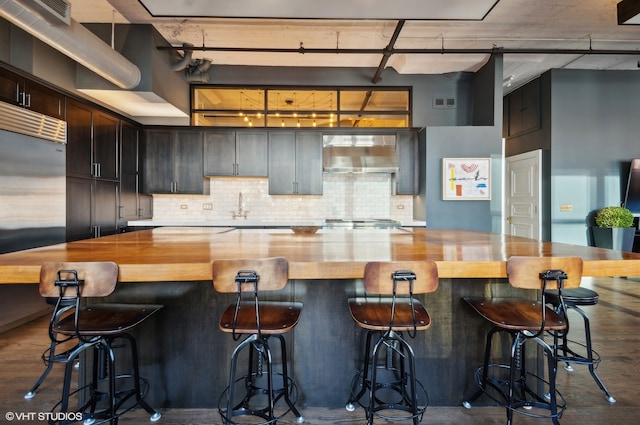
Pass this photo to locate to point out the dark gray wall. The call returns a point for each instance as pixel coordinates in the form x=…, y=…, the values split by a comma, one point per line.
x=595, y=132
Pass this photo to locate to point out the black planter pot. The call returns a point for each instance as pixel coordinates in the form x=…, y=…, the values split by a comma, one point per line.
x=616, y=238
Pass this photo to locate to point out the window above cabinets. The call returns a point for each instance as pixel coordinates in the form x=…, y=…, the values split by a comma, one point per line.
x=308, y=107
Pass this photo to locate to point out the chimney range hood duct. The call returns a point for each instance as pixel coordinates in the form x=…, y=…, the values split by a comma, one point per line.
x=359, y=154
x=75, y=41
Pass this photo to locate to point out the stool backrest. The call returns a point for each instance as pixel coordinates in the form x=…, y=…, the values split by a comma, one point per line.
x=378, y=280
x=524, y=272
x=98, y=279
x=68, y=282
x=273, y=273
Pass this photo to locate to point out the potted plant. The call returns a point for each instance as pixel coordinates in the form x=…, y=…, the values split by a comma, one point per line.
x=614, y=229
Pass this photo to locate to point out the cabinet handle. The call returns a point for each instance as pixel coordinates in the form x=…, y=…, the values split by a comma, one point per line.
x=28, y=101
x=95, y=230
x=18, y=93
x=120, y=209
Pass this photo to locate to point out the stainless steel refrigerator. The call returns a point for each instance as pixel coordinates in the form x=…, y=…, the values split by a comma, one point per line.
x=32, y=198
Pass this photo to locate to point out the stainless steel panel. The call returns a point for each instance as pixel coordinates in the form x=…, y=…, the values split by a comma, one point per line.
x=32, y=192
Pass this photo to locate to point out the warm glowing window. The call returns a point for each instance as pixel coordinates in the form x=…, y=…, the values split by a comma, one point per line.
x=300, y=107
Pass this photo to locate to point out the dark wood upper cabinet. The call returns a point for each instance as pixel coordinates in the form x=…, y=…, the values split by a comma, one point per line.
x=28, y=94
x=172, y=161
x=295, y=163
x=79, y=134
x=230, y=153
x=92, y=143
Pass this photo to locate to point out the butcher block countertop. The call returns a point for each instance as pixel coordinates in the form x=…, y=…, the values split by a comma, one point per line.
x=185, y=253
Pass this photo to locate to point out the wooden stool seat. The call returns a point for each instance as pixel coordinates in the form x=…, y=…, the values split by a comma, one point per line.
x=375, y=315
x=106, y=319
x=516, y=314
x=275, y=318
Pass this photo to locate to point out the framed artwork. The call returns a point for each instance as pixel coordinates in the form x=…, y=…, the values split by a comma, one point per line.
x=466, y=179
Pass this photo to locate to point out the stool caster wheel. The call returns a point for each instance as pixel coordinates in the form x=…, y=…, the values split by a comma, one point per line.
x=155, y=416
x=466, y=405
x=89, y=421
x=350, y=407
x=30, y=395
x=610, y=399
x=568, y=368
x=300, y=419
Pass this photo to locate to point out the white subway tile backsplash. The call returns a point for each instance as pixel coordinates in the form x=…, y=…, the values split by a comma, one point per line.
x=346, y=196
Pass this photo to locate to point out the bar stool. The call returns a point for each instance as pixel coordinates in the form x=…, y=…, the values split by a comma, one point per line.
x=99, y=330
x=573, y=299
x=391, y=386
x=526, y=320
x=57, y=351
x=257, y=321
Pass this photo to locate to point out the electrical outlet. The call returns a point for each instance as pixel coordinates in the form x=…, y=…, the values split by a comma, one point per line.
x=183, y=206
x=207, y=206
x=566, y=208
x=400, y=206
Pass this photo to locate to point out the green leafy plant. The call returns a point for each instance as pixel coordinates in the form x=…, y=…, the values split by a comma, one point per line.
x=614, y=217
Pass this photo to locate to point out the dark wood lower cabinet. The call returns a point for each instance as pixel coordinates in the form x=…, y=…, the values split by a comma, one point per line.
x=92, y=208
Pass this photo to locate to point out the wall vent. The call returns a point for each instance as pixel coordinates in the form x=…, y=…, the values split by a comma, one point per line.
x=54, y=11
x=444, y=102
x=34, y=124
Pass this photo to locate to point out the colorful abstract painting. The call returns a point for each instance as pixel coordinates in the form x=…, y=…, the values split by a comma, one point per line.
x=466, y=179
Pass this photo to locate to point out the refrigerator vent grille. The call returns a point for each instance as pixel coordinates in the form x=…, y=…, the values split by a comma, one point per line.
x=23, y=121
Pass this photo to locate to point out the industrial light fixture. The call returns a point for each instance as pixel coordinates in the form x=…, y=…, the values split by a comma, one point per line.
x=629, y=12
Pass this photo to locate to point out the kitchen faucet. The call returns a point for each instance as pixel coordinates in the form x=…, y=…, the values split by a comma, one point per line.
x=240, y=212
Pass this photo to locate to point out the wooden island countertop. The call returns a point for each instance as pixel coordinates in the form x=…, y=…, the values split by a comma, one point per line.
x=185, y=253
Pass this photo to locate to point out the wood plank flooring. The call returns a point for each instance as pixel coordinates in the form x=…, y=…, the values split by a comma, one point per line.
x=615, y=322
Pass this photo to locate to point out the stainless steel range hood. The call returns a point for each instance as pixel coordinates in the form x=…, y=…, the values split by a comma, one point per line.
x=359, y=154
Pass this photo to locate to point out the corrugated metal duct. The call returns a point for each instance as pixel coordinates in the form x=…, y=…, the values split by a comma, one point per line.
x=76, y=42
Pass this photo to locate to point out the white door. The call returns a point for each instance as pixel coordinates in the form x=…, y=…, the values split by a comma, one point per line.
x=522, y=212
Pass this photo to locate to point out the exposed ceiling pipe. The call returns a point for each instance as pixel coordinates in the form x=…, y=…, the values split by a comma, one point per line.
x=440, y=51
x=388, y=51
x=186, y=59
x=76, y=42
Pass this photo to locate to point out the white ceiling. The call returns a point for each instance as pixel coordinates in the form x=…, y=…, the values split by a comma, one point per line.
x=433, y=30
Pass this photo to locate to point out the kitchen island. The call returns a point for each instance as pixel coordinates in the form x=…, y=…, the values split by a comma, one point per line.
x=186, y=358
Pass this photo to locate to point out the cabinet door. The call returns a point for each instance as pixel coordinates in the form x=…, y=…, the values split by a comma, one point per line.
x=251, y=154
x=282, y=163
x=10, y=85
x=79, y=209
x=220, y=153
x=158, y=162
x=105, y=146
x=407, y=177
x=188, y=162
x=44, y=100
x=309, y=163
x=105, y=212
x=128, y=209
x=78, y=139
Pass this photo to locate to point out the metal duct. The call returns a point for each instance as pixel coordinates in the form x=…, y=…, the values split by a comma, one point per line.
x=76, y=42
